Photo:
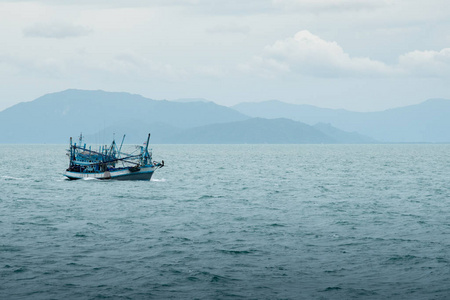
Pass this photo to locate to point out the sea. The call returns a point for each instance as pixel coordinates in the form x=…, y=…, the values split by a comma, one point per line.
x=230, y=222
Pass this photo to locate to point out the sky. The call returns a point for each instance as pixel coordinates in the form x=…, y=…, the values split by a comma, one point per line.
x=360, y=55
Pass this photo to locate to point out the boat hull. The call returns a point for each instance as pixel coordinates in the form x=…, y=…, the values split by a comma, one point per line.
x=145, y=173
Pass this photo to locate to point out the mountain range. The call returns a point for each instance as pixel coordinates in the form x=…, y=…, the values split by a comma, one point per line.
x=54, y=117
x=427, y=122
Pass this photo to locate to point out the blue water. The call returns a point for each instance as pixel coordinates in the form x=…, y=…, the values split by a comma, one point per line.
x=230, y=222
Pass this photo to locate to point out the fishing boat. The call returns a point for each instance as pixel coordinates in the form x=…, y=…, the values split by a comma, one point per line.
x=109, y=162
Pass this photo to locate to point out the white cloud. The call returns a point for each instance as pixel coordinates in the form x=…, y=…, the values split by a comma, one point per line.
x=329, y=5
x=110, y=3
x=220, y=7
x=57, y=30
x=308, y=54
x=426, y=63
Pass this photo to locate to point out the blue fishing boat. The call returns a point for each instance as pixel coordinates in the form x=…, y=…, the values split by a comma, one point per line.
x=109, y=162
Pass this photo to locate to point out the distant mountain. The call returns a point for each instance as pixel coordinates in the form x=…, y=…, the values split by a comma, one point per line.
x=136, y=133
x=344, y=137
x=271, y=109
x=265, y=131
x=424, y=122
x=54, y=117
x=188, y=100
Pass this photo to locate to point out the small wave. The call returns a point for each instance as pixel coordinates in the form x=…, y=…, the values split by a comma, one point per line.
x=218, y=278
x=159, y=180
x=62, y=178
x=193, y=278
x=332, y=288
x=238, y=252
x=9, y=248
x=20, y=270
x=400, y=258
x=5, y=177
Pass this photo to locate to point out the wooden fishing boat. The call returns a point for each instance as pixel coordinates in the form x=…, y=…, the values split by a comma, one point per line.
x=109, y=162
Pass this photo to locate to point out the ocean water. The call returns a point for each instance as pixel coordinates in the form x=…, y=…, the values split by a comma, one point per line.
x=230, y=222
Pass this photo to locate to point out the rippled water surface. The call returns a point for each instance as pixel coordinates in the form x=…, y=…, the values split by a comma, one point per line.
x=230, y=222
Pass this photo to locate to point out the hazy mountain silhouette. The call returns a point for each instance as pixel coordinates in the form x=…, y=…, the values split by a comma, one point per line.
x=299, y=112
x=136, y=133
x=424, y=122
x=253, y=131
x=187, y=100
x=264, y=131
x=54, y=117
x=344, y=137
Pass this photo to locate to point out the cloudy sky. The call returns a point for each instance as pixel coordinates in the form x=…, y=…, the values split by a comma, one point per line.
x=361, y=55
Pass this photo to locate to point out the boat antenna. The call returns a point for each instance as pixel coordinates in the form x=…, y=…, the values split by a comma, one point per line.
x=120, y=149
x=145, y=154
x=146, y=144
x=71, y=152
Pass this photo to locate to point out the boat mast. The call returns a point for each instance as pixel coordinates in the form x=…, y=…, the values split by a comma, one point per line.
x=120, y=149
x=71, y=152
x=146, y=145
x=145, y=154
